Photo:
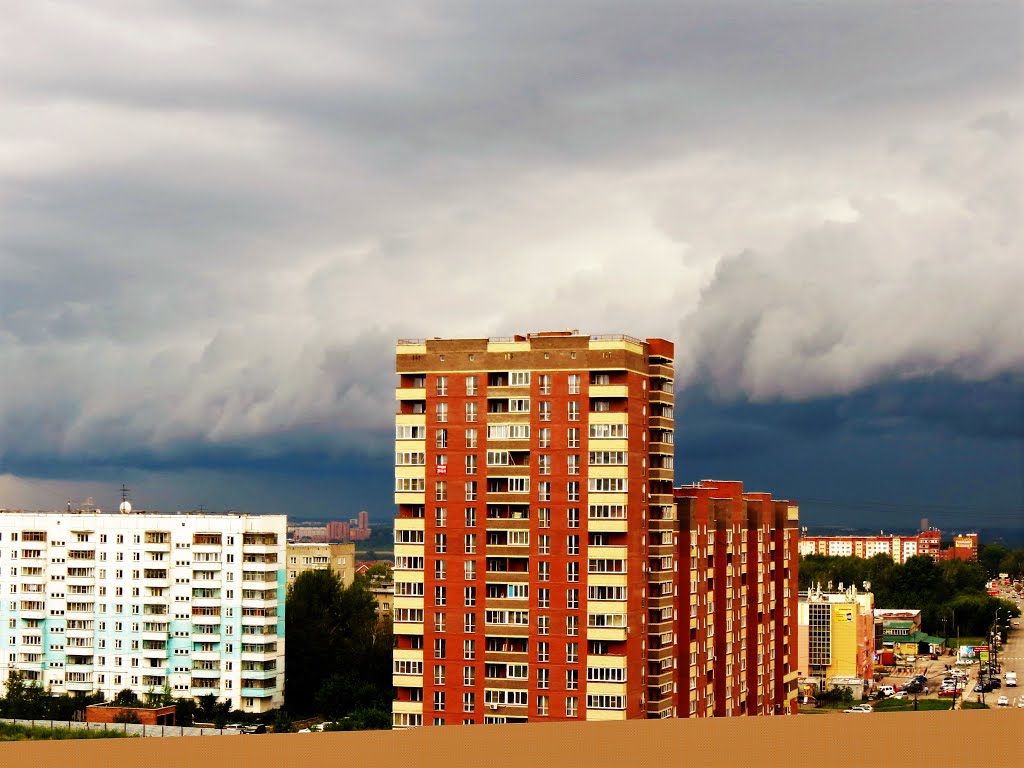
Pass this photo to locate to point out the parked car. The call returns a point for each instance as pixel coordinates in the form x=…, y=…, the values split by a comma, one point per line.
x=858, y=709
x=913, y=687
x=1004, y=701
x=900, y=694
x=982, y=687
x=920, y=678
x=886, y=690
x=948, y=692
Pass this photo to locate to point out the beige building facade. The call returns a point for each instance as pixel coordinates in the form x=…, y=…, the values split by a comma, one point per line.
x=340, y=558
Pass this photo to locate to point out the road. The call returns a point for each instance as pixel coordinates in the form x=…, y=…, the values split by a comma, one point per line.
x=1011, y=659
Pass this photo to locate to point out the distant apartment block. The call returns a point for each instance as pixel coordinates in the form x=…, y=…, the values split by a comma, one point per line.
x=340, y=558
x=537, y=542
x=899, y=548
x=838, y=637
x=356, y=529
x=101, y=602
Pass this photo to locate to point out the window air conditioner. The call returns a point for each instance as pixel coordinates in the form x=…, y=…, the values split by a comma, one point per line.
x=494, y=706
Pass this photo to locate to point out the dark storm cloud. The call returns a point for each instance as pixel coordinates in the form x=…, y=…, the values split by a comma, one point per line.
x=215, y=218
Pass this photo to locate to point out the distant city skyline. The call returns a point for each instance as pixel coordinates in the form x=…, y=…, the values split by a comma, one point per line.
x=212, y=235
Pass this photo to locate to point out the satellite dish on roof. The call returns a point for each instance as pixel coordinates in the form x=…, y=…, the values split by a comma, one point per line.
x=126, y=507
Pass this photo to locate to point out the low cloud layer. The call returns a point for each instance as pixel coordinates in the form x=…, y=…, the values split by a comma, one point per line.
x=215, y=220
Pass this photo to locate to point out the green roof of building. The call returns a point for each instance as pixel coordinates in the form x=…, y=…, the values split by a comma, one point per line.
x=897, y=624
x=935, y=640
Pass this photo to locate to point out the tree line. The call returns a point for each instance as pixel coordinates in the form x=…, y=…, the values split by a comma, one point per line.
x=951, y=594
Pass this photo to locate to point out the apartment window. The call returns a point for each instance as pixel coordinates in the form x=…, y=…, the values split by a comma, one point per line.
x=544, y=517
x=469, y=649
x=471, y=517
x=572, y=572
x=544, y=598
x=440, y=621
x=439, y=674
x=543, y=678
x=470, y=570
x=574, y=383
x=572, y=679
x=544, y=410
x=572, y=544
x=439, y=647
x=543, y=651
x=544, y=464
x=440, y=516
x=544, y=383
x=573, y=463
x=519, y=379
x=543, y=625
x=572, y=490
x=469, y=623
x=543, y=570
x=442, y=412
x=544, y=490
x=572, y=599
x=544, y=544
x=471, y=412
x=468, y=702
x=469, y=596
x=440, y=595
x=471, y=484
x=471, y=384
x=471, y=437
x=574, y=437
x=573, y=517
x=571, y=706
x=574, y=410
x=542, y=706
x=544, y=437
x=572, y=626
x=442, y=386
x=469, y=676
x=440, y=543
x=441, y=490
x=441, y=438
x=439, y=701
x=471, y=464
x=440, y=569
x=572, y=653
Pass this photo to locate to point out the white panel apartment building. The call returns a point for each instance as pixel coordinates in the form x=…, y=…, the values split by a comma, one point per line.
x=102, y=602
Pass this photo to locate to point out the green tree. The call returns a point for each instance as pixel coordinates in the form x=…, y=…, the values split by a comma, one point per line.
x=339, y=652
x=185, y=712
x=126, y=697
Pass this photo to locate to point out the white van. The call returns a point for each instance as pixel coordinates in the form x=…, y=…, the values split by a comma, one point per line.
x=1011, y=679
x=886, y=690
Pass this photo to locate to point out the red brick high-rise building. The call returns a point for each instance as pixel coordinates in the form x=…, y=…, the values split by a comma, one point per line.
x=740, y=601
x=537, y=541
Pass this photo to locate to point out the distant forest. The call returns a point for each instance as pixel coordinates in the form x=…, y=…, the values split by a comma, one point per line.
x=951, y=594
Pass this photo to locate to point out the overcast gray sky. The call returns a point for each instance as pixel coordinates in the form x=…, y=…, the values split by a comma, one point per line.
x=216, y=218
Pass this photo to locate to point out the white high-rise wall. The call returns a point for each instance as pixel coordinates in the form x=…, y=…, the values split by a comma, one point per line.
x=102, y=602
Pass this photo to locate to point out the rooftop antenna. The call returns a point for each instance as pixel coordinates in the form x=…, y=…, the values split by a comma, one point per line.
x=126, y=506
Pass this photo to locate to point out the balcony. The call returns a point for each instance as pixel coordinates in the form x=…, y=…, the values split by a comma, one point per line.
x=607, y=633
x=658, y=397
x=259, y=693
x=410, y=393
x=660, y=474
x=608, y=390
x=79, y=685
x=661, y=371
x=507, y=630
x=512, y=523
x=607, y=525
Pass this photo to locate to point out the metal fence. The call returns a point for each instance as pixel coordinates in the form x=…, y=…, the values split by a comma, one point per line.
x=134, y=729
